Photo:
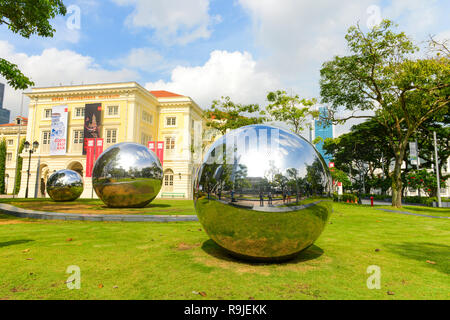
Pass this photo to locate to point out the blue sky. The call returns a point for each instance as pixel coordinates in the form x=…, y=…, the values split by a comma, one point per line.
x=207, y=48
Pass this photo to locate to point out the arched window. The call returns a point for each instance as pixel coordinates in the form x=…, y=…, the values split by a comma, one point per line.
x=168, y=180
x=76, y=166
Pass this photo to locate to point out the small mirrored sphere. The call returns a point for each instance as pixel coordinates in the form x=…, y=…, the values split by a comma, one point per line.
x=263, y=193
x=65, y=185
x=127, y=175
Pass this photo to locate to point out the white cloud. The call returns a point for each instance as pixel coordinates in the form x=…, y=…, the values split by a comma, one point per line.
x=53, y=67
x=145, y=59
x=301, y=35
x=233, y=74
x=175, y=21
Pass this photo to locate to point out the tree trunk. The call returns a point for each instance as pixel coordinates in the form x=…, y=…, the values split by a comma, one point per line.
x=397, y=177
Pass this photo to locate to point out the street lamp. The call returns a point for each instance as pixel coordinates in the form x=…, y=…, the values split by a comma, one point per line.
x=26, y=146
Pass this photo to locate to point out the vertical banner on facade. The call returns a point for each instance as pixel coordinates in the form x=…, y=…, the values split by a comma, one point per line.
x=413, y=152
x=92, y=122
x=151, y=146
x=93, y=151
x=90, y=146
x=160, y=151
x=58, y=136
x=98, y=148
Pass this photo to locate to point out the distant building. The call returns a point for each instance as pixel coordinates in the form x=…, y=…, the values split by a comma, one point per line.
x=4, y=113
x=127, y=113
x=12, y=133
x=324, y=131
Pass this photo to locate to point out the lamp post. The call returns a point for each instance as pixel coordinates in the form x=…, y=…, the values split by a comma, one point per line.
x=30, y=150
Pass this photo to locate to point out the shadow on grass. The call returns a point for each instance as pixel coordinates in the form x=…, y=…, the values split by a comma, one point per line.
x=423, y=251
x=428, y=211
x=14, y=242
x=214, y=250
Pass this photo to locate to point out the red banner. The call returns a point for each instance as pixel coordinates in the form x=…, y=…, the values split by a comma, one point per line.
x=160, y=151
x=98, y=148
x=151, y=146
x=158, y=148
x=94, y=148
x=90, y=147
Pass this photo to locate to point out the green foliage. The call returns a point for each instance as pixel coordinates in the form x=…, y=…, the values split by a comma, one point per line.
x=344, y=197
x=341, y=176
x=27, y=17
x=381, y=74
x=425, y=180
x=224, y=114
x=104, y=251
x=2, y=165
x=290, y=109
x=14, y=76
x=19, y=168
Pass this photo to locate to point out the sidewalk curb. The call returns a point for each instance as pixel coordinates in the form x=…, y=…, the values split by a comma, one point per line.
x=32, y=214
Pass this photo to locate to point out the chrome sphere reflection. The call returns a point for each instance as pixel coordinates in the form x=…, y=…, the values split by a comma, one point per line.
x=263, y=193
x=65, y=185
x=127, y=175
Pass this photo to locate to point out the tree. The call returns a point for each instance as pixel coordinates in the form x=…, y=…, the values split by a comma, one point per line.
x=341, y=176
x=19, y=167
x=360, y=153
x=381, y=75
x=27, y=17
x=2, y=165
x=290, y=109
x=224, y=114
x=423, y=179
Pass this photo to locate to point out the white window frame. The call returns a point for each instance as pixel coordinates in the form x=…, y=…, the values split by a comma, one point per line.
x=168, y=178
x=42, y=137
x=147, y=117
x=106, y=135
x=172, y=138
x=10, y=142
x=78, y=138
x=44, y=114
x=9, y=156
x=75, y=113
x=170, y=125
x=107, y=115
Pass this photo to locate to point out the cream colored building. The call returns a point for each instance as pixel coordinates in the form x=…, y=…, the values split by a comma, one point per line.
x=130, y=113
x=12, y=133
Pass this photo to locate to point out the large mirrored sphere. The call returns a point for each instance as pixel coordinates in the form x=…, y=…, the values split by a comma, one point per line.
x=127, y=175
x=65, y=185
x=263, y=193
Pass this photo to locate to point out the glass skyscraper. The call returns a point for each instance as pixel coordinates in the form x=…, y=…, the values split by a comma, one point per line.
x=324, y=131
x=4, y=113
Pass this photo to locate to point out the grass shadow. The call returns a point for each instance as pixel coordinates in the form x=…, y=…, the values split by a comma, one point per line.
x=428, y=211
x=423, y=251
x=213, y=249
x=158, y=205
x=14, y=242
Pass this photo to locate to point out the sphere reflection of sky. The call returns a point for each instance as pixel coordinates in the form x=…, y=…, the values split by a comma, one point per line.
x=133, y=156
x=263, y=148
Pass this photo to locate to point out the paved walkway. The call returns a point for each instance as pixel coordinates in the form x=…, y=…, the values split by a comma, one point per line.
x=414, y=214
x=26, y=213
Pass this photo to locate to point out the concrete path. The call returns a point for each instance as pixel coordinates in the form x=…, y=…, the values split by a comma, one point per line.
x=414, y=214
x=26, y=213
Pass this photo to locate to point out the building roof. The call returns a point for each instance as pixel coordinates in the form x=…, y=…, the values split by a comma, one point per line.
x=12, y=124
x=165, y=94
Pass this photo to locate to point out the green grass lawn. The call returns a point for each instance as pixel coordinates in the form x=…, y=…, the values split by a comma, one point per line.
x=121, y=260
x=96, y=206
x=442, y=212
